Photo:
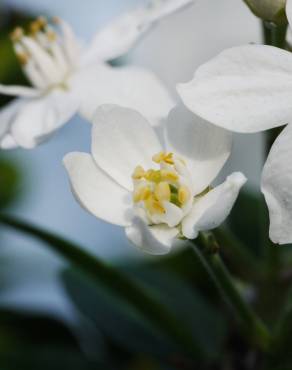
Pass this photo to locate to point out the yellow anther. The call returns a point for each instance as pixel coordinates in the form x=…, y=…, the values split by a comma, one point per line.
x=163, y=157
x=42, y=21
x=162, y=192
x=157, y=158
x=183, y=194
x=141, y=194
x=51, y=35
x=168, y=175
x=17, y=34
x=34, y=27
x=56, y=20
x=22, y=58
x=169, y=158
x=153, y=176
x=153, y=206
x=138, y=173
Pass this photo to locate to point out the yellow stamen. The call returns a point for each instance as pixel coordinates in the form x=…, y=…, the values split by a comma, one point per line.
x=56, y=20
x=157, y=158
x=34, y=27
x=42, y=21
x=142, y=193
x=168, y=175
x=138, y=173
x=153, y=176
x=163, y=157
x=153, y=206
x=183, y=194
x=51, y=35
x=162, y=192
x=22, y=58
x=17, y=34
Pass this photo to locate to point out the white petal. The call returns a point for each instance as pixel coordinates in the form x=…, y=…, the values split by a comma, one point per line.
x=289, y=12
x=159, y=9
x=204, y=147
x=8, y=142
x=124, y=32
x=213, y=208
x=131, y=87
x=7, y=115
x=22, y=91
x=244, y=89
x=155, y=240
x=116, y=39
x=39, y=118
x=121, y=140
x=43, y=60
x=95, y=191
x=171, y=217
x=70, y=42
x=277, y=185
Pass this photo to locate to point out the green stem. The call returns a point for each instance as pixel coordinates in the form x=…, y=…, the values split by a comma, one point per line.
x=143, y=300
x=252, y=326
x=273, y=35
x=245, y=264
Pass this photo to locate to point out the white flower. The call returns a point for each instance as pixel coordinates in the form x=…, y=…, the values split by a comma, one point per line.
x=67, y=78
x=159, y=193
x=249, y=89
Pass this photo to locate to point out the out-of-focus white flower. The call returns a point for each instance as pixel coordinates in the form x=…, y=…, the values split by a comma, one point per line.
x=67, y=77
x=159, y=193
x=249, y=89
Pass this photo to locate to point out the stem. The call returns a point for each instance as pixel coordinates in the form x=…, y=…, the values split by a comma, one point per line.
x=142, y=299
x=273, y=35
x=251, y=325
x=245, y=264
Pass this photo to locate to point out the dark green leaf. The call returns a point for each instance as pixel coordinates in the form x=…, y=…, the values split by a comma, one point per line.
x=146, y=302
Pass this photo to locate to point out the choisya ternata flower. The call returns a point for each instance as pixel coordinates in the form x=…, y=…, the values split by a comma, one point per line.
x=67, y=78
x=249, y=89
x=160, y=194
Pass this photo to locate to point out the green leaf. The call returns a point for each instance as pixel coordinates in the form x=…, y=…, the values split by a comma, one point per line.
x=281, y=355
x=144, y=301
x=29, y=340
x=207, y=323
x=9, y=183
x=115, y=318
x=132, y=332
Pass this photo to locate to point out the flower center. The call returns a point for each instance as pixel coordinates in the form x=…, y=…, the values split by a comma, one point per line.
x=43, y=54
x=163, y=191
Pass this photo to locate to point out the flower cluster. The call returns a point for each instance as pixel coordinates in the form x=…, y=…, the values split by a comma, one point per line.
x=160, y=190
x=249, y=89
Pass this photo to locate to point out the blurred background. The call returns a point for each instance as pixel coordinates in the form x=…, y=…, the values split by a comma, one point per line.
x=35, y=185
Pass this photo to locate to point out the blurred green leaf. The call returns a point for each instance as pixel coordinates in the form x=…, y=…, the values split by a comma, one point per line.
x=281, y=354
x=145, y=301
x=29, y=340
x=246, y=220
x=32, y=328
x=114, y=317
x=132, y=332
x=207, y=323
x=9, y=183
x=47, y=359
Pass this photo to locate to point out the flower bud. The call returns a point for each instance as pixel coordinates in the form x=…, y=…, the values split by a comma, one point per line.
x=269, y=10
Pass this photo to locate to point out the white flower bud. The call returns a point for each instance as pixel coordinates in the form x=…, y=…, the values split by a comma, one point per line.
x=269, y=10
